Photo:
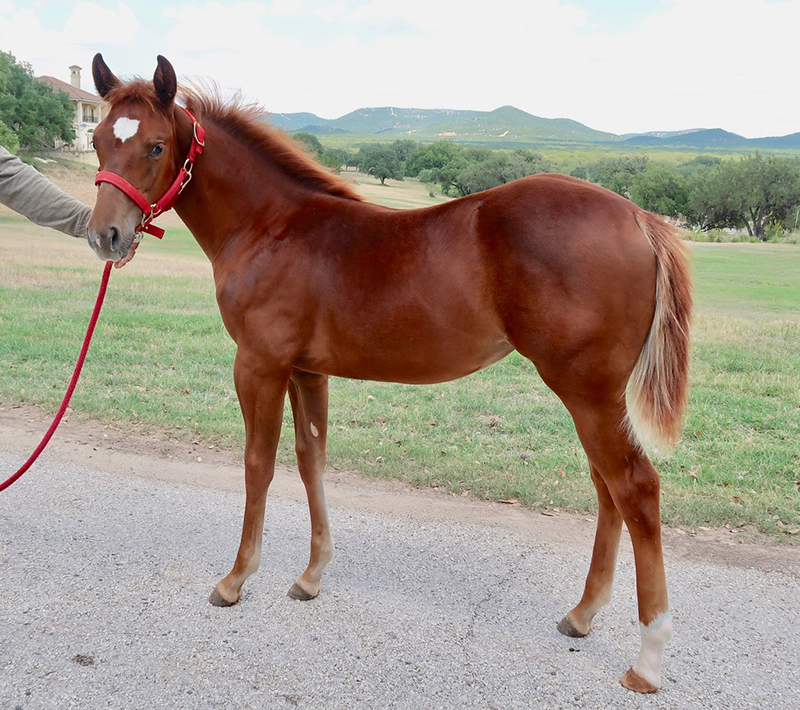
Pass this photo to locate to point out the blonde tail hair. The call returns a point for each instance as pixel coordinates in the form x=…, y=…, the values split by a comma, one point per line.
x=657, y=388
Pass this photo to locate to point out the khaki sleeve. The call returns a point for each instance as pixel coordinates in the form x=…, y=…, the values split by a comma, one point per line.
x=25, y=190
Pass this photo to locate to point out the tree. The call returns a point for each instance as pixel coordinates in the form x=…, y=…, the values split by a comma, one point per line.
x=708, y=206
x=447, y=175
x=755, y=192
x=310, y=142
x=432, y=156
x=477, y=155
x=330, y=158
x=661, y=189
x=36, y=113
x=8, y=138
x=403, y=148
x=499, y=169
x=698, y=164
x=330, y=162
x=617, y=174
x=443, y=162
x=342, y=156
x=380, y=161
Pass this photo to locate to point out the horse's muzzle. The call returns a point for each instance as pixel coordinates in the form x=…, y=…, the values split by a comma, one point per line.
x=111, y=243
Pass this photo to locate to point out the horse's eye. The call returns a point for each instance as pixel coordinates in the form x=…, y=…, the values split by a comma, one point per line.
x=156, y=150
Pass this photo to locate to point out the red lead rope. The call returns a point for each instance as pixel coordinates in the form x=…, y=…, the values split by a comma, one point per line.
x=149, y=213
x=72, y=383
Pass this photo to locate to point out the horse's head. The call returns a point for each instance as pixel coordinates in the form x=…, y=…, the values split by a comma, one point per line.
x=136, y=141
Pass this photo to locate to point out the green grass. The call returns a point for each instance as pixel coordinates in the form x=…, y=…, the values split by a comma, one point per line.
x=162, y=361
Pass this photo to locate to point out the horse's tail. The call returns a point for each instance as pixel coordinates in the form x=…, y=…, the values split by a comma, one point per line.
x=657, y=389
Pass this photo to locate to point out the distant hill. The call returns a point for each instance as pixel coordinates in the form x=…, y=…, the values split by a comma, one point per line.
x=661, y=134
x=506, y=123
x=508, y=126
x=715, y=138
x=789, y=142
x=705, y=138
x=511, y=123
x=295, y=121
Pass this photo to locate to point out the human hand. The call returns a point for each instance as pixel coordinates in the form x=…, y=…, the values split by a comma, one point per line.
x=119, y=264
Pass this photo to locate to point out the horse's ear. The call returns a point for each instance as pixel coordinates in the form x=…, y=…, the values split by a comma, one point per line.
x=165, y=82
x=104, y=78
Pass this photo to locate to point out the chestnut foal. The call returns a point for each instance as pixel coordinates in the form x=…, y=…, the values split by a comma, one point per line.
x=313, y=282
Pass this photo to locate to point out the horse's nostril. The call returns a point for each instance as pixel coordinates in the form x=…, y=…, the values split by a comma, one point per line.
x=113, y=235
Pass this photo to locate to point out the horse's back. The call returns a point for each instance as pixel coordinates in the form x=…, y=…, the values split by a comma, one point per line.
x=573, y=273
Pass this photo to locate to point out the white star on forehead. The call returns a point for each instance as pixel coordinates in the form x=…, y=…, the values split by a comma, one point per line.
x=125, y=128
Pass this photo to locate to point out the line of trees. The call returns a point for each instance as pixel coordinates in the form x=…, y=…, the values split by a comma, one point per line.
x=756, y=193
x=463, y=171
x=32, y=115
x=457, y=170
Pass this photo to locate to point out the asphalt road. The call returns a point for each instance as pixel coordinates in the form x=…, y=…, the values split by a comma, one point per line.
x=431, y=602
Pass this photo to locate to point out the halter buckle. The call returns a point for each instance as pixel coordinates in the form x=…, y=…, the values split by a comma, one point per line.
x=146, y=219
x=195, y=126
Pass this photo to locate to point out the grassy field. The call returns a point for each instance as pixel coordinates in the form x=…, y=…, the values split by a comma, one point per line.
x=162, y=361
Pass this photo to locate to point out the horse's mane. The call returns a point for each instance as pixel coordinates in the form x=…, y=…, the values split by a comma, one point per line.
x=245, y=121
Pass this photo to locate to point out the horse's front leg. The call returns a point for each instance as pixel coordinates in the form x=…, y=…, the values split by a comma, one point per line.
x=261, y=396
x=308, y=394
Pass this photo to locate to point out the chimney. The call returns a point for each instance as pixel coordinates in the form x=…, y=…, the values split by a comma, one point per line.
x=75, y=76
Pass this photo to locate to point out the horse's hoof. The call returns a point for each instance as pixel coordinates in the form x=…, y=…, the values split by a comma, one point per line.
x=565, y=627
x=217, y=599
x=633, y=681
x=297, y=592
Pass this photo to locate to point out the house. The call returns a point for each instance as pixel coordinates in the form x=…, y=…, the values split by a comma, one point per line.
x=89, y=109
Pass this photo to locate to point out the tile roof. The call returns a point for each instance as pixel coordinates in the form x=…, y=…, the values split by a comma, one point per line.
x=74, y=94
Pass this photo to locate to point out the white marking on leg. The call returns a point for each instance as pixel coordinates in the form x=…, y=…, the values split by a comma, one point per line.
x=314, y=430
x=654, y=637
x=125, y=128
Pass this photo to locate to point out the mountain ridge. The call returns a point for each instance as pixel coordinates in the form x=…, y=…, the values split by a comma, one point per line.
x=510, y=125
x=504, y=122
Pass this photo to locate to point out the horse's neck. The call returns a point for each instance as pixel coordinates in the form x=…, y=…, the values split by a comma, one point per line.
x=235, y=195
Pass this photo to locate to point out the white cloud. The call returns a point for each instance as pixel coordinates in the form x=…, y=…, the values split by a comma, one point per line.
x=345, y=54
x=686, y=63
x=231, y=29
x=288, y=7
x=91, y=24
x=52, y=51
x=697, y=63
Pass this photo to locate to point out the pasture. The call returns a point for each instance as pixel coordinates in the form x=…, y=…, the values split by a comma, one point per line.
x=161, y=360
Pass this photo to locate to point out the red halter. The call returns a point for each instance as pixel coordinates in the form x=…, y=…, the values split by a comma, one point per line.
x=170, y=197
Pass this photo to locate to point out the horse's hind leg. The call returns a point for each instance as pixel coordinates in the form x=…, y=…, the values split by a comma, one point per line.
x=633, y=485
x=308, y=394
x=600, y=580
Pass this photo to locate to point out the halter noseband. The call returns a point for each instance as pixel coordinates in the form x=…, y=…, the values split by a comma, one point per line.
x=170, y=197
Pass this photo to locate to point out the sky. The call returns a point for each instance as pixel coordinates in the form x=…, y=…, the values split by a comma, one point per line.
x=621, y=66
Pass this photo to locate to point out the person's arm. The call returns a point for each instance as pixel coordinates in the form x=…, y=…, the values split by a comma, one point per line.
x=25, y=190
